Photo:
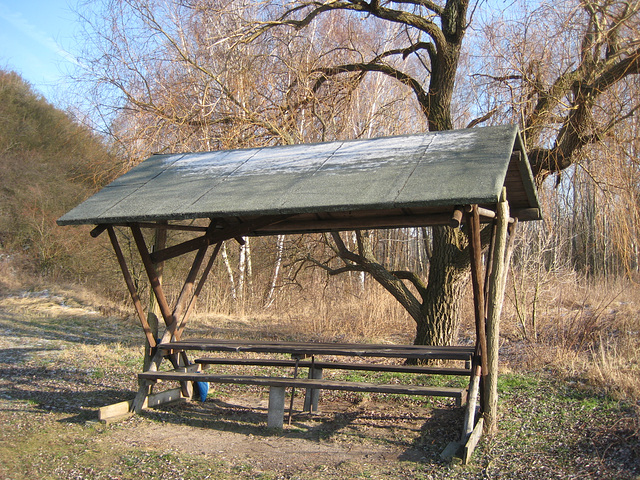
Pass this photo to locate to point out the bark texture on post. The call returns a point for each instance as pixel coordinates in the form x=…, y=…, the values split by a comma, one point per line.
x=477, y=279
x=494, y=309
x=153, y=312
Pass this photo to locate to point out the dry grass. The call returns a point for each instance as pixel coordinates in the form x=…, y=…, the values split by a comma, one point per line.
x=588, y=329
x=333, y=311
x=60, y=360
x=577, y=327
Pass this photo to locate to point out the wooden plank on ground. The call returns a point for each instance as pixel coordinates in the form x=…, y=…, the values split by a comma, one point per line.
x=163, y=398
x=451, y=451
x=471, y=444
x=120, y=410
x=114, y=412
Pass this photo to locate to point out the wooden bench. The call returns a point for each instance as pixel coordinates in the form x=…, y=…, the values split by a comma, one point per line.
x=316, y=369
x=277, y=385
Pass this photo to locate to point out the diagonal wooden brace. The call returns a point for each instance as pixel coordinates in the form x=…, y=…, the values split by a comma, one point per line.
x=212, y=236
x=131, y=287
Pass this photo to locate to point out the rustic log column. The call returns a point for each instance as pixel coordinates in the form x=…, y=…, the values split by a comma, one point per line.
x=165, y=310
x=159, y=243
x=494, y=309
x=477, y=280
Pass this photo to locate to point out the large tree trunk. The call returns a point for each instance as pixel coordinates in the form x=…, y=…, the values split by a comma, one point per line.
x=448, y=277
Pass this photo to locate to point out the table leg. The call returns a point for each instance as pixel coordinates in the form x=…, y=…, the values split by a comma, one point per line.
x=312, y=395
x=293, y=390
x=275, y=414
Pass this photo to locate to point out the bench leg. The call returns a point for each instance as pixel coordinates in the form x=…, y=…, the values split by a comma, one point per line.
x=312, y=395
x=275, y=416
x=470, y=412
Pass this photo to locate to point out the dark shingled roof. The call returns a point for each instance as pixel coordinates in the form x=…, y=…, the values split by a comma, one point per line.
x=410, y=174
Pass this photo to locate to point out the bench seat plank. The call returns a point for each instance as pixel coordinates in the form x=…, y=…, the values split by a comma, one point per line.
x=311, y=348
x=267, y=362
x=322, y=384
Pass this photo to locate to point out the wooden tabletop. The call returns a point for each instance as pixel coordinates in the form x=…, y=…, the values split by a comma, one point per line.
x=314, y=348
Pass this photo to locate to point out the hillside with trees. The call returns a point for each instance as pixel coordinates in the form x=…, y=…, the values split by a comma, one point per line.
x=48, y=164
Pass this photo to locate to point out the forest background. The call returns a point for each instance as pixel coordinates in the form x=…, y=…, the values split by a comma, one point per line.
x=194, y=76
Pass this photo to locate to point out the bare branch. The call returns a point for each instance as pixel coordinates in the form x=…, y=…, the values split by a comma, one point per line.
x=336, y=271
x=415, y=85
x=405, y=52
x=617, y=71
x=437, y=9
x=483, y=118
x=413, y=278
x=424, y=24
x=367, y=263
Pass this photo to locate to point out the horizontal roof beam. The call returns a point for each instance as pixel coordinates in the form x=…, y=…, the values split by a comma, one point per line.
x=215, y=236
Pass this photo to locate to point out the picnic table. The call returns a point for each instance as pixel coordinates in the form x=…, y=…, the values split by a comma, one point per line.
x=305, y=355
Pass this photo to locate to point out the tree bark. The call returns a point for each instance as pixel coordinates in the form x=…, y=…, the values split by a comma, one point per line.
x=448, y=277
x=494, y=309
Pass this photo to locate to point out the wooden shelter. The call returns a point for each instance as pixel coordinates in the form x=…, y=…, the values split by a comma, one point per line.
x=472, y=176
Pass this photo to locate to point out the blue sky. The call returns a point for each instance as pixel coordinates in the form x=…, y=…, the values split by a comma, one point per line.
x=35, y=37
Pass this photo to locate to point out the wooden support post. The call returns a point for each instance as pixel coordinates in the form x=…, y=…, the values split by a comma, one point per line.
x=167, y=314
x=153, y=312
x=472, y=403
x=170, y=322
x=185, y=294
x=182, y=309
x=494, y=309
x=513, y=227
x=489, y=266
x=477, y=280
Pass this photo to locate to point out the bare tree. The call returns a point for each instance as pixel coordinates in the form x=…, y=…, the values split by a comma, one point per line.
x=568, y=72
x=568, y=69
x=174, y=76
x=424, y=58
x=219, y=74
x=225, y=73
